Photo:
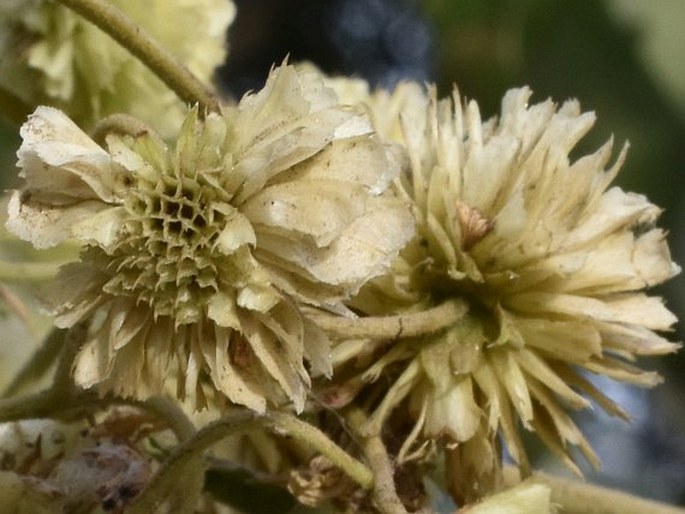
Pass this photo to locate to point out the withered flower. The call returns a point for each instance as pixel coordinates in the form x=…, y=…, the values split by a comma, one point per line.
x=196, y=258
x=552, y=261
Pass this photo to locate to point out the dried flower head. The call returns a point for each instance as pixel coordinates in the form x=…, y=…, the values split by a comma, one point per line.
x=53, y=56
x=197, y=257
x=553, y=263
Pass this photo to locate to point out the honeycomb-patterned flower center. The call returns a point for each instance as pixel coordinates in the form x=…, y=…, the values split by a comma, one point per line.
x=167, y=256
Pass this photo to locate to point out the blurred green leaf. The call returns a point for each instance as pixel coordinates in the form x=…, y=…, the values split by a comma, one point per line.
x=238, y=488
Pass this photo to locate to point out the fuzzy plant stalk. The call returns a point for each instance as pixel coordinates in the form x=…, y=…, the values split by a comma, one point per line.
x=155, y=56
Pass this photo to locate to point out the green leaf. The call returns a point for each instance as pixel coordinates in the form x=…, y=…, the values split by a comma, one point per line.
x=240, y=489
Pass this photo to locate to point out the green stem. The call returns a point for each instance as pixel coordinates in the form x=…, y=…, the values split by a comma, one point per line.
x=143, y=46
x=124, y=125
x=38, y=405
x=187, y=456
x=73, y=340
x=311, y=435
x=27, y=271
x=393, y=327
x=384, y=493
x=181, y=476
x=170, y=412
x=582, y=498
x=50, y=403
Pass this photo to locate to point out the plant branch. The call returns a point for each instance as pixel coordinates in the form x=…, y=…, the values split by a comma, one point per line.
x=384, y=493
x=73, y=340
x=170, y=412
x=311, y=435
x=187, y=456
x=51, y=403
x=143, y=46
x=124, y=125
x=393, y=327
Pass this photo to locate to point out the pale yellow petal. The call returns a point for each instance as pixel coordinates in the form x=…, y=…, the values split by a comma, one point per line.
x=227, y=377
x=365, y=248
x=265, y=346
x=635, y=339
x=238, y=231
x=526, y=498
x=361, y=160
x=634, y=308
x=102, y=228
x=453, y=411
x=572, y=341
x=539, y=371
x=514, y=382
x=75, y=294
x=321, y=209
x=317, y=350
x=223, y=310
x=51, y=137
x=45, y=227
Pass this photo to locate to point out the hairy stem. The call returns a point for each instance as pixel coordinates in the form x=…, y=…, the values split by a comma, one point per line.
x=171, y=413
x=51, y=403
x=384, y=493
x=143, y=46
x=124, y=125
x=393, y=327
x=73, y=340
x=187, y=457
x=311, y=435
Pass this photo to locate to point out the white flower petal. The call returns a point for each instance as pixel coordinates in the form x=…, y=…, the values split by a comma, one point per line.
x=237, y=232
x=362, y=251
x=453, y=411
x=102, y=228
x=223, y=310
x=266, y=348
x=52, y=138
x=227, y=377
x=45, y=227
x=321, y=209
